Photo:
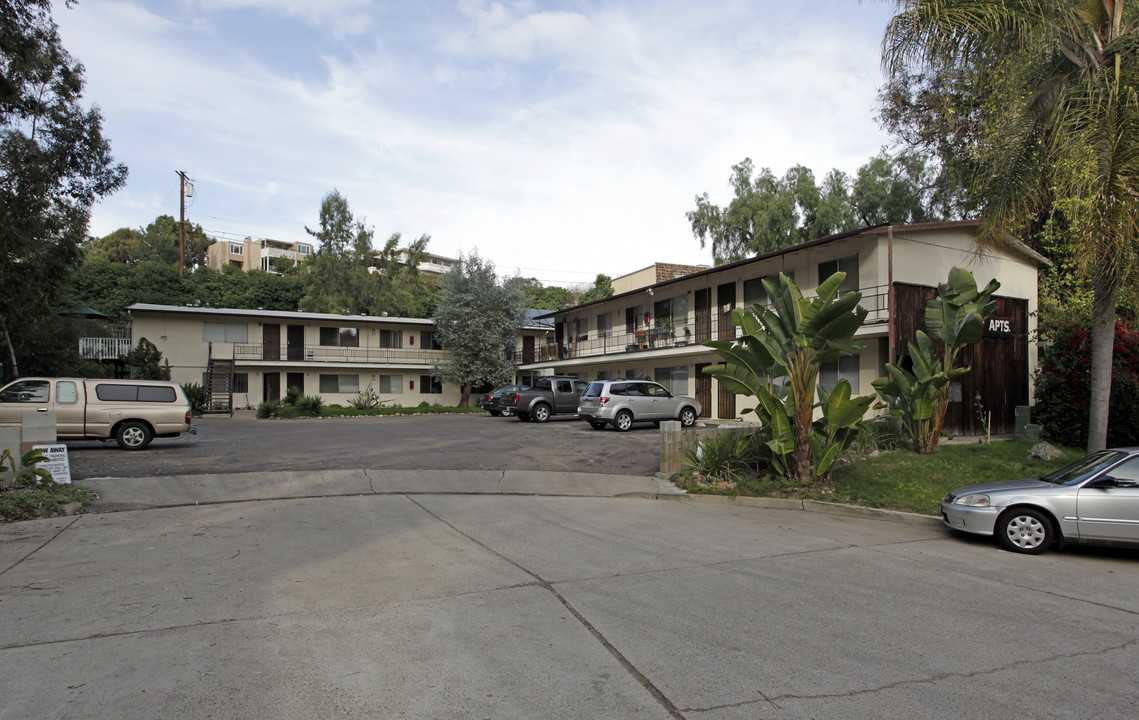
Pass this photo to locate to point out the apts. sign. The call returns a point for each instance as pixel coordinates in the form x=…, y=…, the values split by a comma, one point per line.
x=1000, y=327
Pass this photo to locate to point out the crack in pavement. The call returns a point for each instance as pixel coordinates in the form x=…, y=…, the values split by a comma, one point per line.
x=42, y=545
x=920, y=681
x=637, y=675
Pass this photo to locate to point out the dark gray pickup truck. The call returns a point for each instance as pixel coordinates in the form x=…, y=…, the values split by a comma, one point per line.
x=552, y=395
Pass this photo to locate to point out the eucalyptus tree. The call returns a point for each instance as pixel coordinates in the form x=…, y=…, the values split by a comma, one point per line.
x=1060, y=131
x=54, y=165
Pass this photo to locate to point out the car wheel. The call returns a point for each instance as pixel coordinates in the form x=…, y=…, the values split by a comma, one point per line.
x=624, y=421
x=596, y=424
x=495, y=413
x=1024, y=530
x=133, y=435
x=687, y=417
x=541, y=413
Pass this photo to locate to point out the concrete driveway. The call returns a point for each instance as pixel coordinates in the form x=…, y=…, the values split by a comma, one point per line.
x=388, y=594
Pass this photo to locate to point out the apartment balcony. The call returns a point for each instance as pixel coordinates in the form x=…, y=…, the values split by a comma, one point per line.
x=695, y=329
x=104, y=348
x=324, y=354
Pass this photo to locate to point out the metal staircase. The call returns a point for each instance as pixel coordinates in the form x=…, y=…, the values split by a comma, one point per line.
x=219, y=387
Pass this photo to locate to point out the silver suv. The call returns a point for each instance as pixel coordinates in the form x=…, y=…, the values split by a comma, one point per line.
x=624, y=402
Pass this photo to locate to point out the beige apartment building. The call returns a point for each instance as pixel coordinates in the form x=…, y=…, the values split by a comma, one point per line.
x=262, y=254
x=657, y=330
x=334, y=356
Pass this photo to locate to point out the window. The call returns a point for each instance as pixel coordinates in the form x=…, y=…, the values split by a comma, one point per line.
x=672, y=312
x=27, y=391
x=391, y=384
x=391, y=338
x=604, y=374
x=240, y=382
x=674, y=378
x=429, y=385
x=132, y=393
x=339, y=337
x=754, y=292
x=225, y=332
x=845, y=367
x=235, y=249
x=66, y=393
x=428, y=340
x=304, y=249
x=339, y=383
x=634, y=373
x=604, y=324
x=848, y=265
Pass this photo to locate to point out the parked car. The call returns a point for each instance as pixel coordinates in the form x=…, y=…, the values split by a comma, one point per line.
x=133, y=412
x=1093, y=500
x=492, y=401
x=551, y=395
x=621, y=403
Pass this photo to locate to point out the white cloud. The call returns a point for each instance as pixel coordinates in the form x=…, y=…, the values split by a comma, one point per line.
x=563, y=143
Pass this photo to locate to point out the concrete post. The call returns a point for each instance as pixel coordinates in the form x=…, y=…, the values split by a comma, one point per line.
x=38, y=429
x=671, y=447
x=10, y=440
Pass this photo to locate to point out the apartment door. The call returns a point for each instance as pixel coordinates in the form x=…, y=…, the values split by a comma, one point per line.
x=725, y=303
x=703, y=308
x=271, y=341
x=727, y=405
x=296, y=342
x=271, y=388
x=704, y=390
x=527, y=349
x=296, y=380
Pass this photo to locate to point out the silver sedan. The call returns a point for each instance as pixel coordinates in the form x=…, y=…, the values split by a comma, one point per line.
x=1095, y=500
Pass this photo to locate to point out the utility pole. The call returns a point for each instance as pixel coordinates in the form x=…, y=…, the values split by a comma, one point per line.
x=182, y=222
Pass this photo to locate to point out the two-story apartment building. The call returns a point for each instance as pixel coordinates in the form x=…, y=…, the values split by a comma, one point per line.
x=334, y=356
x=657, y=331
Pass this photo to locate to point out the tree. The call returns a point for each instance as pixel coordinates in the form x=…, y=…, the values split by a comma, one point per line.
x=336, y=277
x=602, y=288
x=1060, y=131
x=54, y=165
x=769, y=213
x=477, y=320
x=157, y=242
x=403, y=291
x=777, y=361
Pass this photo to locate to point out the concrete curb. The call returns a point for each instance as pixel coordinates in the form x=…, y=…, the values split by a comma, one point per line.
x=122, y=494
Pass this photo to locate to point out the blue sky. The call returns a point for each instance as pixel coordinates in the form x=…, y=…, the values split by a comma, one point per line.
x=556, y=139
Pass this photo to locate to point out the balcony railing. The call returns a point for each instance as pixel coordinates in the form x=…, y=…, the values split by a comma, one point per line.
x=99, y=348
x=334, y=354
x=695, y=329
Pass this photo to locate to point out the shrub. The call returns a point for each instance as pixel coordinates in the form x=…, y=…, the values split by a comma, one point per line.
x=729, y=455
x=308, y=405
x=196, y=394
x=293, y=394
x=1063, y=383
x=365, y=399
x=268, y=409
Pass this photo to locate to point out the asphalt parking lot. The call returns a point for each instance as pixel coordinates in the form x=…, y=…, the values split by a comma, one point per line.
x=415, y=442
x=531, y=593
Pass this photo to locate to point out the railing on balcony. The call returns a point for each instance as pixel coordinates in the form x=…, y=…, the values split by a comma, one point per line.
x=695, y=329
x=104, y=348
x=335, y=354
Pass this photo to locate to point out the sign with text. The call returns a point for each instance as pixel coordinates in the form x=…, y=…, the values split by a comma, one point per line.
x=56, y=463
x=1000, y=327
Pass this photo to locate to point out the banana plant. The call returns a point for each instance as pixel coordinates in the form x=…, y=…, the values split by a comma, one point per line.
x=777, y=360
x=915, y=396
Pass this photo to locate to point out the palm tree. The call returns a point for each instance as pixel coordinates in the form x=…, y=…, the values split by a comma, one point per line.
x=1061, y=134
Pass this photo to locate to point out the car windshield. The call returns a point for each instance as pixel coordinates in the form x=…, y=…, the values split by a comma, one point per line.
x=1081, y=470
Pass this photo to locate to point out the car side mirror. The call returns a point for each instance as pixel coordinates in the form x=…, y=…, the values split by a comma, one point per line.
x=1108, y=481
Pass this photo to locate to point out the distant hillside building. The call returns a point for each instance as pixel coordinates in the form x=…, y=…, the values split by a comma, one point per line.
x=261, y=254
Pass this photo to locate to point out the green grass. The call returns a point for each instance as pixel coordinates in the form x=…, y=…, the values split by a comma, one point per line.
x=904, y=480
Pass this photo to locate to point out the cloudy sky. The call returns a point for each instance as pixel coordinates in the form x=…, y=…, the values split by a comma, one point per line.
x=556, y=138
